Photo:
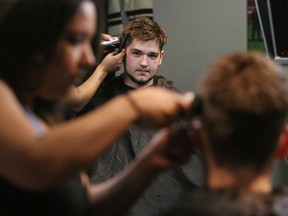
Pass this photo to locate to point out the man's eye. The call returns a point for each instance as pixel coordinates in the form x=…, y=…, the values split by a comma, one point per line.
x=153, y=56
x=136, y=53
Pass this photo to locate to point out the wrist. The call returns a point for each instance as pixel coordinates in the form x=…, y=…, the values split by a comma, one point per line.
x=102, y=69
x=100, y=72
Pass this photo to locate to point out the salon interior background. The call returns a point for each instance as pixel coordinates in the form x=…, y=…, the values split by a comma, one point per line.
x=199, y=31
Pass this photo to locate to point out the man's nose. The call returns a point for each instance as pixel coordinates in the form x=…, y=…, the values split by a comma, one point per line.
x=144, y=61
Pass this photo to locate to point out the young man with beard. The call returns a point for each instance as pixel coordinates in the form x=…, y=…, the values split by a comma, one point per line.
x=144, y=55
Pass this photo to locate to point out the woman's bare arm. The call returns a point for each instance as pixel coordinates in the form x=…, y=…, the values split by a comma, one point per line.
x=78, y=97
x=38, y=161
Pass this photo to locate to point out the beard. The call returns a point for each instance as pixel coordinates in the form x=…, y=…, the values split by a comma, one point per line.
x=139, y=82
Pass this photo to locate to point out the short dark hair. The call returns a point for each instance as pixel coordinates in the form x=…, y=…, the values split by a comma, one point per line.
x=145, y=29
x=245, y=100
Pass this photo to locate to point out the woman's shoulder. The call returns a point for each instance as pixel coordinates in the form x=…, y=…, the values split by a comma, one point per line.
x=9, y=99
x=12, y=110
x=5, y=90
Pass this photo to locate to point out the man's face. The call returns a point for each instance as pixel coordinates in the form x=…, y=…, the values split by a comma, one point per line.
x=143, y=59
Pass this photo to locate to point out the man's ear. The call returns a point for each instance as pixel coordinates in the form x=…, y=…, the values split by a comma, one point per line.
x=282, y=148
x=161, y=56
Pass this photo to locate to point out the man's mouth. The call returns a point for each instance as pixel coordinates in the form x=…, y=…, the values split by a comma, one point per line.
x=143, y=71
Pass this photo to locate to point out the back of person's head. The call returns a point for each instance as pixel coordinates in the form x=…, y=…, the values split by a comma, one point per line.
x=30, y=30
x=145, y=29
x=245, y=101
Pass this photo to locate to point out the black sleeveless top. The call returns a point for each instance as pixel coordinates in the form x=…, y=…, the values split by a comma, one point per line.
x=69, y=198
x=66, y=199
